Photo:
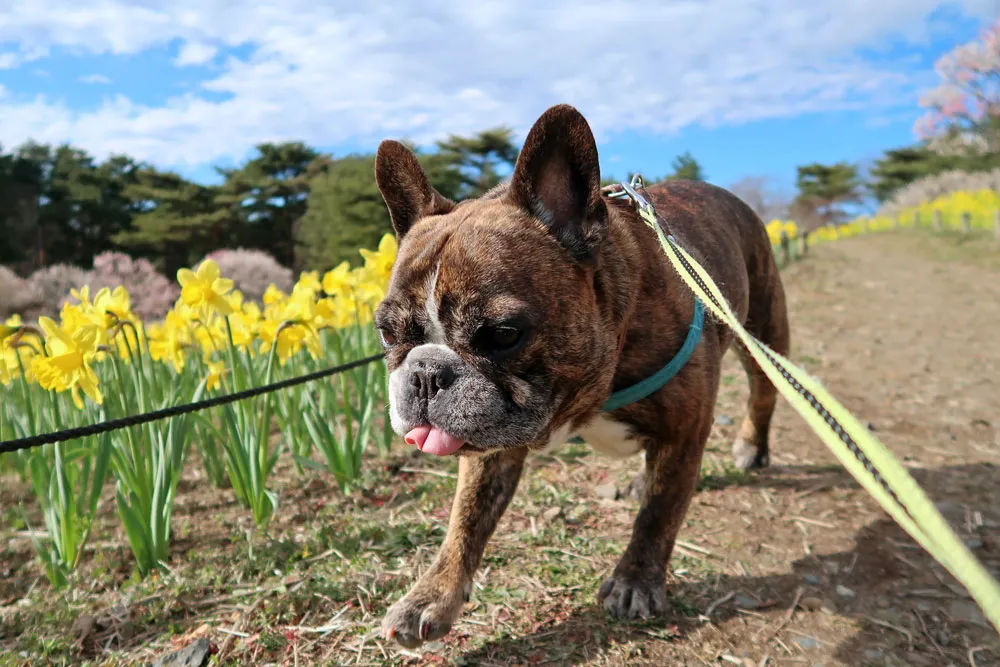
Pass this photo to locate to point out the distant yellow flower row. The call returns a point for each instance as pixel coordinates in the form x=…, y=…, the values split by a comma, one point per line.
x=981, y=206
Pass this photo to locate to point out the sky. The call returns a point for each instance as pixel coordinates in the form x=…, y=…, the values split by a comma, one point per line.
x=749, y=87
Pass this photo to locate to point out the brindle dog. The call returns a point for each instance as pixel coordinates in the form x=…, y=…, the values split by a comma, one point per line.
x=511, y=318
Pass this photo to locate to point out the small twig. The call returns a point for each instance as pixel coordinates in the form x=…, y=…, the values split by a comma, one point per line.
x=854, y=561
x=903, y=631
x=712, y=607
x=812, y=490
x=957, y=591
x=235, y=633
x=814, y=522
x=425, y=471
x=324, y=629
x=361, y=649
x=788, y=616
x=972, y=654
x=927, y=633
x=227, y=645
x=783, y=645
x=329, y=552
x=695, y=548
x=569, y=553
x=687, y=552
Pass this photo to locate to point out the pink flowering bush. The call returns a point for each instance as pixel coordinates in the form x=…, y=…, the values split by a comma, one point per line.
x=53, y=284
x=963, y=111
x=152, y=293
x=17, y=295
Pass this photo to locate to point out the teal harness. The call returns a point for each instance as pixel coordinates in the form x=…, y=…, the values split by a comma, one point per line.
x=658, y=380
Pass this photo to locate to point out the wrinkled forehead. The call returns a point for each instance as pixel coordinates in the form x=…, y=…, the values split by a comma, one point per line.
x=483, y=256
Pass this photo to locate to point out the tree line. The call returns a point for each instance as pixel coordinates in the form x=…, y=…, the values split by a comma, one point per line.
x=312, y=210
x=306, y=208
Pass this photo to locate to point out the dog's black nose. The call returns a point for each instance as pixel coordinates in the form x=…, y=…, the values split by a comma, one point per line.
x=429, y=379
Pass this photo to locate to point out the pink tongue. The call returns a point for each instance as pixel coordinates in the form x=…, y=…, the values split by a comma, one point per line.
x=432, y=440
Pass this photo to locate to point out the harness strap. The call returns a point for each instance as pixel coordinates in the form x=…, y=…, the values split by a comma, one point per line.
x=658, y=380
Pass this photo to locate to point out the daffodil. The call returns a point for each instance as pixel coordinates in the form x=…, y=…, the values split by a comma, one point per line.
x=309, y=280
x=67, y=366
x=205, y=289
x=6, y=331
x=291, y=327
x=215, y=372
x=289, y=337
x=380, y=262
x=338, y=281
x=273, y=295
x=327, y=315
x=167, y=341
x=13, y=354
x=244, y=323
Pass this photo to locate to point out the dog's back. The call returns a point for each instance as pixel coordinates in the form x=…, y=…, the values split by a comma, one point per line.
x=729, y=239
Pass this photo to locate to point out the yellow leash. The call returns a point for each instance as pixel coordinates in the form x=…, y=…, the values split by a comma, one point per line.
x=861, y=453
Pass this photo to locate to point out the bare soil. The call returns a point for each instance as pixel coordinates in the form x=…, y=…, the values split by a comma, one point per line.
x=795, y=565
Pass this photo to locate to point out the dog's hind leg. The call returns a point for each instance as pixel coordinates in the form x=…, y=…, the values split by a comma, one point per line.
x=767, y=320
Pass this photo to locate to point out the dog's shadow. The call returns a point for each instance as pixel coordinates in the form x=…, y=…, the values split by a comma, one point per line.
x=901, y=601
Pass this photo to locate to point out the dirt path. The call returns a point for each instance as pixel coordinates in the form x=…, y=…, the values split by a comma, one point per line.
x=905, y=330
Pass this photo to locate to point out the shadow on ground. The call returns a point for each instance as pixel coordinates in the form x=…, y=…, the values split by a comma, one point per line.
x=903, y=607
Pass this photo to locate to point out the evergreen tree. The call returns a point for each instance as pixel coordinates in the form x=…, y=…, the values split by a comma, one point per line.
x=686, y=168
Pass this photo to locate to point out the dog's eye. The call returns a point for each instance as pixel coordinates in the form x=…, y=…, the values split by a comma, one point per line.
x=388, y=340
x=503, y=338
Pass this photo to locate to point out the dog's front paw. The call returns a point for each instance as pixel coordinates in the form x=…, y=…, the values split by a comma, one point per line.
x=631, y=598
x=424, y=614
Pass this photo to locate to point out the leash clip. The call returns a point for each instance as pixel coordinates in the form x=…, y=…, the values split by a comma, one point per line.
x=631, y=190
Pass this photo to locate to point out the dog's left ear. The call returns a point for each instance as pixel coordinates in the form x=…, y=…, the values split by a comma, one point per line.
x=557, y=179
x=405, y=188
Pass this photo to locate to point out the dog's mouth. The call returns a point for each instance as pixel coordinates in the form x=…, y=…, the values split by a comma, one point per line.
x=433, y=440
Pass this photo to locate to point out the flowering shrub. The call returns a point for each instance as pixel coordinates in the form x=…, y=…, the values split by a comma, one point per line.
x=17, y=295
x=152, y=294
x=53, y=285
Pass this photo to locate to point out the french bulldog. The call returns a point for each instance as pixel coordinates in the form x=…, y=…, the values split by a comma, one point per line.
x=509, y=320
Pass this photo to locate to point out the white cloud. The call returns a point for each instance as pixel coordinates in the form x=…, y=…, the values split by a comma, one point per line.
x=95, y=78
x=195, y=53
x=9, y=60
x=332, y=72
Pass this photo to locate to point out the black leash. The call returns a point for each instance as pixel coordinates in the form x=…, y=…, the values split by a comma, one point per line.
x=8, y=446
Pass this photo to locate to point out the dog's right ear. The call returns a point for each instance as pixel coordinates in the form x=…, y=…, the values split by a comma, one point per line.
x=405, y=188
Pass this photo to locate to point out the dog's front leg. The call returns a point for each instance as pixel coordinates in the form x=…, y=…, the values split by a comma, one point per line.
x=637, y=587
x=485, y=487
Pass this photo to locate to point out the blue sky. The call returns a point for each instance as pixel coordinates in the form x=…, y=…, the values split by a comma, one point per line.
x=749, y=87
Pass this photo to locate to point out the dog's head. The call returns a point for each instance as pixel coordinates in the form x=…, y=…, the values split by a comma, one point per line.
x=495, y=335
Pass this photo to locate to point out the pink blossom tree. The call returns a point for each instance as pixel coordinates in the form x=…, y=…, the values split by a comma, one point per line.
x=963, y=111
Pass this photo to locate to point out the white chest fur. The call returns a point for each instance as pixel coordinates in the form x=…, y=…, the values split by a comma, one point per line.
x=609, y=437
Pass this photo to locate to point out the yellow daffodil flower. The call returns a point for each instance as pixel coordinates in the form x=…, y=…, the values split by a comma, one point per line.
x=68, y=365
x=205, y=289
x=215, y=372
x=380, y=262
